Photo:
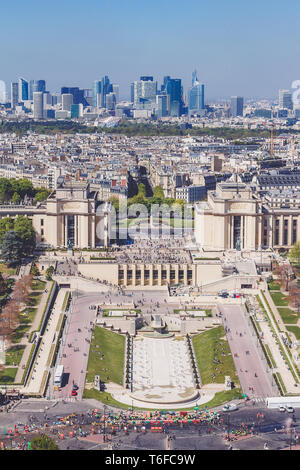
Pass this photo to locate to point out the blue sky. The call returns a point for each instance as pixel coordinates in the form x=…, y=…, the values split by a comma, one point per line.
x=245, y=48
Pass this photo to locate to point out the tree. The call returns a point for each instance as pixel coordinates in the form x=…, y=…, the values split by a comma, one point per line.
x=115, y=202
x=294, y=298
x=43, y=442
x=49, y=273
x=6, y=224
x=41, y=195
x=23, y=227
x=11, y=248
x=142, y=190
x=285, y=274
x=294, y=254
x=22, y=288
x=15, y=198
x=35, y=270
x=158, y=192
x=25, y=188
x=5, y=190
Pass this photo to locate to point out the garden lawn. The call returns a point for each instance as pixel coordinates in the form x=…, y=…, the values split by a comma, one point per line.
x=25, y=324
x=14, y=355
x=273, y=286
x=112, y=346
x=295, y=330
x=5, y=270
x=37, y=284
x=279, y=299
x=288, y=316
x=209, y=346
x=7, y=376
x=35, y=298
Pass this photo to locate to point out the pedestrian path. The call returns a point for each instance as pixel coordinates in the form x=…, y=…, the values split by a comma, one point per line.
x=34, y=327
x=41, y=364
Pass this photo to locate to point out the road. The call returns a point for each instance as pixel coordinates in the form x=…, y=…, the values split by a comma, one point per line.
x=241, y=340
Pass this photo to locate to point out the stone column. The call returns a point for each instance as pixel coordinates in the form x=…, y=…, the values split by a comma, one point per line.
x=142, y=275
x=290, y=231
x=66, y=230
x=93, y=229
x=281, y=230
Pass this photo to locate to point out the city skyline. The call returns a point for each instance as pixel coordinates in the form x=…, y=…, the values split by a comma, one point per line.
x=156, y=40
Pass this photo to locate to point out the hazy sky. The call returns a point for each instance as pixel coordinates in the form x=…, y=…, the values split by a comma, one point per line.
x=239, y=48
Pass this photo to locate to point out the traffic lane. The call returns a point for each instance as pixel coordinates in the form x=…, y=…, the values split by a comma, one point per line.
x=240, y=341
x=76, y=356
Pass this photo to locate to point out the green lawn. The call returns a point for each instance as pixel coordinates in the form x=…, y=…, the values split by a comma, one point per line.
x=25, y=324
x=7, y=376
x=14, y=355
x=273, y=286
x=112, y=346
x=295, y=330
x=35, y=298
x=208, y=346
x=279, y=299
x=288, y=316
x=5, y=270
x=37, y=284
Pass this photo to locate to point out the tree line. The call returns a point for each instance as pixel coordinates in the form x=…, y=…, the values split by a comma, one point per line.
x=14, y=191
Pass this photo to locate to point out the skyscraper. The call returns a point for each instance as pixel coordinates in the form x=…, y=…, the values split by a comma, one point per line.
x=162, y=105
x=76, y=110
x=97, y=93
x=67, y=101
x=14, y=94
x=111, y=101
x=173, y=88
x=3, y=96
x=145, y=89
x=237, y=106
x=106, y=88
x=78, y=95
x=196, y=95
x=38, y=105
x=39, y=85
x=116, y=91
x=23, y=89
x=285, y=99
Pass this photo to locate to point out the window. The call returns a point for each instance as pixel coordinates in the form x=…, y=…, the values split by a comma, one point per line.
x=42, y=222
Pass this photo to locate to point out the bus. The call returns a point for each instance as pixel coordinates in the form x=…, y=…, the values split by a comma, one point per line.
x=58, y=376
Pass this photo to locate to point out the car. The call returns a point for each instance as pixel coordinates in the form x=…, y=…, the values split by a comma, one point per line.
x=231, y=407
x=281, y=408
x=73, y=393
x=290, y=409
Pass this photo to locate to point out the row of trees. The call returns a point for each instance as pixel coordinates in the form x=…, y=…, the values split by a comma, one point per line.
x=17, y=239
x=130, y=128
x=141, y=198
x=14, y=191
x=10, y=315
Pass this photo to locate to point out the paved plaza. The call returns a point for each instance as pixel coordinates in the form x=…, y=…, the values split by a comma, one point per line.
x=161, y=370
